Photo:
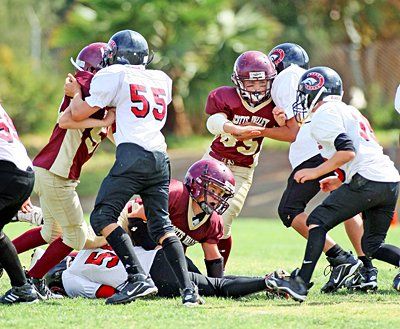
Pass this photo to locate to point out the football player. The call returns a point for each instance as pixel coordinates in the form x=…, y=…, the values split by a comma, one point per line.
x=238, y=116
x=195, y=208
x=17, y=179
x=291, y=61
x=347, y=140
x=142, y=165
x=98, y=273
x=57, y=169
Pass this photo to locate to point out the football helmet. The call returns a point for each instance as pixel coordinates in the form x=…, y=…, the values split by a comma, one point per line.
x=317, y=84
x=128, y=47
x=53, y=277
x=253, y=65
x=91, y=58
x=199, y=179
x=285, y=54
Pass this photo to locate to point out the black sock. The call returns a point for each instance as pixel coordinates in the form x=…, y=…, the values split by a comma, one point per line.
x=389, y=254
x=335, y=251
x=315, y=245
x=10, y=261
x=173, y=252
x=121, y=243
x=366, y=261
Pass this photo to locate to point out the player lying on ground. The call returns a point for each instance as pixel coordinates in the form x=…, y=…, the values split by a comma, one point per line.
x=291, y=61
x=371, y=184
x=98, y=273
x=195, y=209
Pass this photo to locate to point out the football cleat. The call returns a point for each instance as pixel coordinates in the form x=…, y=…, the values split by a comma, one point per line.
x=365, y=279
x=292, y=285
x=396, y=282
x=342, y=267
x=24, y=294
x=43, y=290
x=191, y=297
x=270, y=292
x=34, y=217
x=135, y=286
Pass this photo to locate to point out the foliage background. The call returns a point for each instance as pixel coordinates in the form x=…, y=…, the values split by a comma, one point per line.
x=196, y=43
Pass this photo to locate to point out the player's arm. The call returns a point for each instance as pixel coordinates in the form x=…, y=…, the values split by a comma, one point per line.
x=66, y=120
x=137, y=211
x=397, y=100
x=213, y=260
x=110, y=134
x=286, y=133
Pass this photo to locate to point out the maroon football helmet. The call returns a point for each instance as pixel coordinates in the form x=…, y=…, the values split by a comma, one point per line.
x=199, y=179
x=253, y=65
x=91, y=58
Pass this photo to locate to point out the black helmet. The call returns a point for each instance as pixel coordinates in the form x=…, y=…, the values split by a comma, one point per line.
x=128, y=47
x=285, y=54
x=317, y=84
x=53, y=277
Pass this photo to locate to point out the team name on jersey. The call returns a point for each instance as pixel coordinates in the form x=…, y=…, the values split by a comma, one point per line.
x=185, y=239
x=240, y=119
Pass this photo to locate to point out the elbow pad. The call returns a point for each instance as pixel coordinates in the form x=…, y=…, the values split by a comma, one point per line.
x=215, y=267
x=215, y=123
x=344, y=143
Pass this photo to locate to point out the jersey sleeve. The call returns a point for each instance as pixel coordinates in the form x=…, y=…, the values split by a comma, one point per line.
x=215, y=231
x=326, y=125
x=284, y=90
x=104, y=87
x=215, y=104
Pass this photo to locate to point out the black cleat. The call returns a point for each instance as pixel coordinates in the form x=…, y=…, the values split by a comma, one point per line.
x=365, y=279
x=270, y=292
x=25, y=294
x=292, y=285
x=342, y=267
x=191, y=297
x=396, y=282
x=43, y=290
x=135, y=286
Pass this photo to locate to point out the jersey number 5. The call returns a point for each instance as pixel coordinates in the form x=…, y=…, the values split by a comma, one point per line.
x=96, y=258
x=141, y=108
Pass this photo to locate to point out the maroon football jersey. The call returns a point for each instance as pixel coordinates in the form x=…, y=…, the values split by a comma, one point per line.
x=225, y=147
x=209, y=229
x=68, y=149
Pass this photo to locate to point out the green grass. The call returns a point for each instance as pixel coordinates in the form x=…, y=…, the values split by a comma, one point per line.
x=259, y=247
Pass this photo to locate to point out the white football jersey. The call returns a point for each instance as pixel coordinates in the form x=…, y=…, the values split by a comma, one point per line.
x=140, y=97
x=397, y=100
x=11, y=148
x=334, y=118
x=284, y=89
x=92, y=268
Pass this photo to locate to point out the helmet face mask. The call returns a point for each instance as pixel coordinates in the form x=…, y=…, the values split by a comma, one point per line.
x=210, y=184
x=317, y=84
x=253, y=66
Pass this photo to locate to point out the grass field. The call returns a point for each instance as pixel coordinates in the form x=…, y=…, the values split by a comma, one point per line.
x=259, y=247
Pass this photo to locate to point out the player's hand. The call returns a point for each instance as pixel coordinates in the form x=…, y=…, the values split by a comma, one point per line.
x=247, y=132
x=330, y=183
x=109, y=118
x=279, y=116
x=305, y=175
x=27, y=206
x=71, y=86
